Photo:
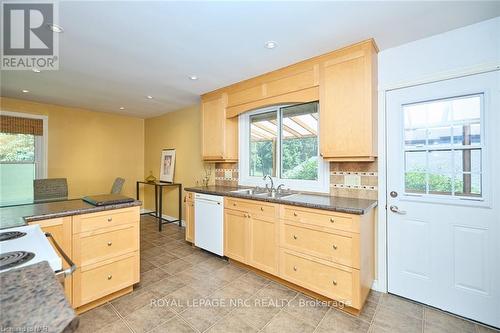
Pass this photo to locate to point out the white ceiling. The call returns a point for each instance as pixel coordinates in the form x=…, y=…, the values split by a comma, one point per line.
x=114, y=53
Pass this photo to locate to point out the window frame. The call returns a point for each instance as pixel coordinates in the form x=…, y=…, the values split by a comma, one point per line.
x=321, y=185
x=41, y=142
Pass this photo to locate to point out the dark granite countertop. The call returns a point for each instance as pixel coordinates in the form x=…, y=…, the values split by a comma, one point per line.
x=16, y=216
x=33, y=300
x=319, y=201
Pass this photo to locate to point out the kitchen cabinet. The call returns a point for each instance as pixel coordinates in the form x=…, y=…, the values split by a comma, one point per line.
x=263, y=243
x=105, y=248
x=348, y=104
x=329, y=253
x=251, y=233
x=60, y=229
x=236, y=235
x=219, y=134
x=189, y=217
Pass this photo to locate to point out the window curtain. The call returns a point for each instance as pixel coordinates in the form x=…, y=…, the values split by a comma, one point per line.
x=19, y=125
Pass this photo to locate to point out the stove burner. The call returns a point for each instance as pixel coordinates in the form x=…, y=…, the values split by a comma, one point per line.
x=15, y=258
x=8, y=235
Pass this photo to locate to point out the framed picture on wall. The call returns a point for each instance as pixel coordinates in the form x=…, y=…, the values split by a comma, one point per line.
x=167, y=165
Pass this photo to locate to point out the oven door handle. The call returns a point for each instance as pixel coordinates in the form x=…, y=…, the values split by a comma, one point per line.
x=72, y=267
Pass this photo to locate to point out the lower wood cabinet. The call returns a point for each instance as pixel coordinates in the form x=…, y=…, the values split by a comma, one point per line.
x=236, y=235
x=105, y=248
x=189, y=216
x=263, y=243
x=328, y=253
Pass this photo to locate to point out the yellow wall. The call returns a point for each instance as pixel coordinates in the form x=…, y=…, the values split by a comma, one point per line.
x=89, y=148
x=180, y=130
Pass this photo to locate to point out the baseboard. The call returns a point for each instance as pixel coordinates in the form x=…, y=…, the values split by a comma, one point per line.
x=376, y=287
x=168, y=217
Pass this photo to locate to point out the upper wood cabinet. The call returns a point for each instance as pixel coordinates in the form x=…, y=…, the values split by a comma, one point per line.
x=219, y=134
x=345, y=83
x=348, y=104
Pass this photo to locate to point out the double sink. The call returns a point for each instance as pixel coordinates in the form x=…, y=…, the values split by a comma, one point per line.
x=263, y=193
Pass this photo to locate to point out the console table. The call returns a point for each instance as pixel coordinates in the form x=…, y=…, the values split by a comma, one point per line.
x=159, y=201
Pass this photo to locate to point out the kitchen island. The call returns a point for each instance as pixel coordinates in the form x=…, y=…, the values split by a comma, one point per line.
x=103, y=242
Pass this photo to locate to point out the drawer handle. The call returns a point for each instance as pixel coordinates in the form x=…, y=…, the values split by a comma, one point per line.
x=334, y=246
x=110, y=277
x=295, y=237
x=334, y=282
x=332, y=220
x=295, y=268
x=110, y=219
x=294, y=214
x=110, y=243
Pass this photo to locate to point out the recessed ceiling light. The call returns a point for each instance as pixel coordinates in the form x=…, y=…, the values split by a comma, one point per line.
x=193, y=77
x=270, y=44
x=122, y=108
x=149, y=97
x=25, y=91
x=36, y=70
x=55, y=27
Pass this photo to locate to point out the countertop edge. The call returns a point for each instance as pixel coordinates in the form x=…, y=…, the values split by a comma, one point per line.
x=285, y=202
x=86, y=210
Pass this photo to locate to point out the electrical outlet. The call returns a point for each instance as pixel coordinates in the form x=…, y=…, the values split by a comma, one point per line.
x=352, y=180
x=228, y=174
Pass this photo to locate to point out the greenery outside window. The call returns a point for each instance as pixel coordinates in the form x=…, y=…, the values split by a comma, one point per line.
x=282, y=141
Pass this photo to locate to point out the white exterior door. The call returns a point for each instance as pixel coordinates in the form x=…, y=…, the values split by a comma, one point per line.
x=443, y=198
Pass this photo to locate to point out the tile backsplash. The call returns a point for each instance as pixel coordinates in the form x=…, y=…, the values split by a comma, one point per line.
x=353, y=180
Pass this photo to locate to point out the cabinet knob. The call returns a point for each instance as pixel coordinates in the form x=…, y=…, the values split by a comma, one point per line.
x=249, y=216
x=110, y=277
x=294, y=214
x=334, y=282
x=332, y=219
x=110, y=243
x=261, y=209
x=321, y=154
x=295, y=237
x=245, y=215
x=295, y=268
x=334, y=246
x=110, y=219
x=234, y=203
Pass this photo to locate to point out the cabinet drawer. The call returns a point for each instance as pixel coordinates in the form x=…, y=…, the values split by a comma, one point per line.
x=105, y=219
x=104, y=245
x=336, y=248
x=100, y=280
x=322, y=218
x=252, y=206
x=321, y=278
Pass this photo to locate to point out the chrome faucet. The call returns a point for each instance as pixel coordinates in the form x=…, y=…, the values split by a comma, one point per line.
x=279, y=188
x=270, y=190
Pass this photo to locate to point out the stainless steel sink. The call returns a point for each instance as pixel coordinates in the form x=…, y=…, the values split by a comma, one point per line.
x=275, y=195
x=260, y=192
x=250, y=191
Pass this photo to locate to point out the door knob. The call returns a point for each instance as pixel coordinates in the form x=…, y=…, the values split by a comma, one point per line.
x=396, y=210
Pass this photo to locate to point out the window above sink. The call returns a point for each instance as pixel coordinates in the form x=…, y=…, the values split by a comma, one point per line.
x=282, y=141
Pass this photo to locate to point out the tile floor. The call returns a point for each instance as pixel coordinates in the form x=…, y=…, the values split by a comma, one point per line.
x=184, y=289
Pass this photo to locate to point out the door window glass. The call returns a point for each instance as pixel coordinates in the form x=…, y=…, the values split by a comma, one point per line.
x=443, y=147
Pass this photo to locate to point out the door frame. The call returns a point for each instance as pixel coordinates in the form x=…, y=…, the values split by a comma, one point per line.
x=381, y=277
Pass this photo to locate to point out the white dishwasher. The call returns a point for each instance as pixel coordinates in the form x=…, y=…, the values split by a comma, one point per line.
x=209, y=222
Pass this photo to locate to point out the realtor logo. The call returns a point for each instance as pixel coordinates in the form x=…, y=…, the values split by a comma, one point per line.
x=27, y=40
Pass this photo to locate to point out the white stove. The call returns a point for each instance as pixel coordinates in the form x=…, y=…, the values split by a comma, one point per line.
x=23, y=246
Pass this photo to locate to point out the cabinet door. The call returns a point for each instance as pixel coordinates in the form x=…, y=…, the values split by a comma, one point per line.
x=213, y=127
x=60, y=229
x=235, y=234
x=189, y=213
x=347, y=114
x=263, y=244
